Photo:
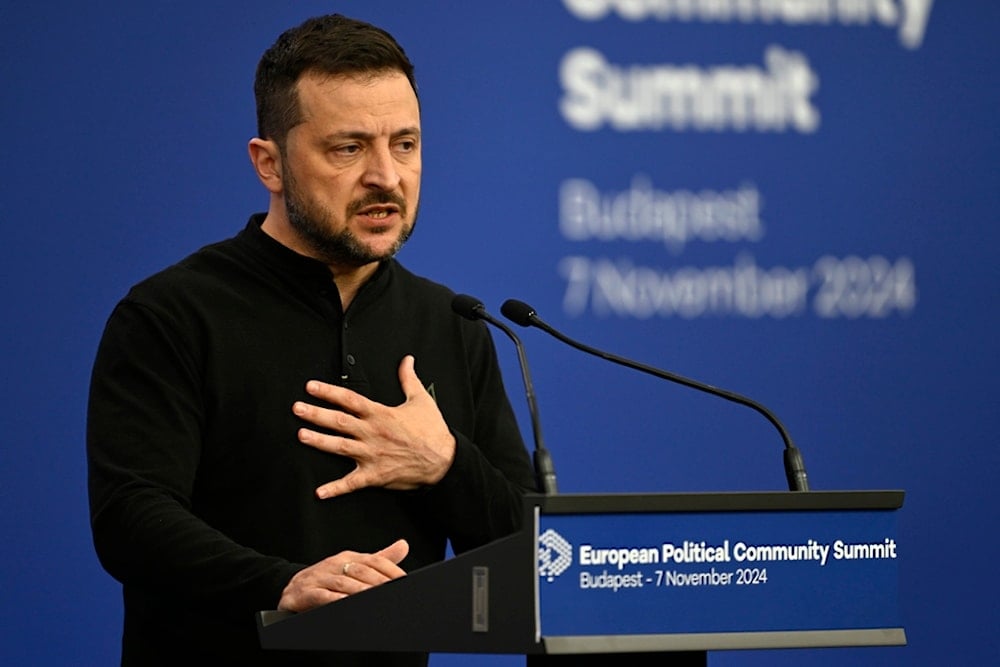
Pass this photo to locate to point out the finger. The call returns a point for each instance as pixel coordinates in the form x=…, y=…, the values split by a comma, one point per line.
x=357, y=574
x=334, y=420
x=379, y=567
x=343, y=583
x=310, y=599
x=351, y=401
x=349, y=483
x=371, y=571
x=333, y=444
x=395, y=552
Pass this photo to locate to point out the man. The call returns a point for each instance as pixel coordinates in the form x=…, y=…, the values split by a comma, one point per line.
x=290, y=417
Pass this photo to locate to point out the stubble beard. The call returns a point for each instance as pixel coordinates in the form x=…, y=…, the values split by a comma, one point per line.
x=317, y=226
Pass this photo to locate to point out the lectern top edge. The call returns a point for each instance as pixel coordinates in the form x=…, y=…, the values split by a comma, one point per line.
x=717, y=502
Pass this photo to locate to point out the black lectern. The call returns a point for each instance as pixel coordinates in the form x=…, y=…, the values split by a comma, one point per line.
x=646, y=575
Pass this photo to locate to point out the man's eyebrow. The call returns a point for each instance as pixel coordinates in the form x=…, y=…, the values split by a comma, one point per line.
x=407, y=131
x=368, y=136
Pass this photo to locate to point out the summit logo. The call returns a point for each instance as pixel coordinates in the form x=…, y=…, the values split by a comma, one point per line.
x=555, y=555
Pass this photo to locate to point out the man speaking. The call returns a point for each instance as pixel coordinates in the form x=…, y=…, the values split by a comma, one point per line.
x=289, y=416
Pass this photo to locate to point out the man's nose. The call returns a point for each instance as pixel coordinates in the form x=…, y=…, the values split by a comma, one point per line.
x=380, y=169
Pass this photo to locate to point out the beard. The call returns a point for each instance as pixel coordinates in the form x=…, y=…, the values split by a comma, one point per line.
x=317, y=226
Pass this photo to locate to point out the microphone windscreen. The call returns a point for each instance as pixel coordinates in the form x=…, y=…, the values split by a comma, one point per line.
x=517, y=312
x=467, y=306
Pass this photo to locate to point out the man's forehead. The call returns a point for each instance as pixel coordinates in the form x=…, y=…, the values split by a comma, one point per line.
x=314, y=79
x=344, y=94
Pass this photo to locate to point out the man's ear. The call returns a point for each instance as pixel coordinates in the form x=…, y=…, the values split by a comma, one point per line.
x=266, y=159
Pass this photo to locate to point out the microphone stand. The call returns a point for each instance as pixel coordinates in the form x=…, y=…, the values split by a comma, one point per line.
x=473, y=309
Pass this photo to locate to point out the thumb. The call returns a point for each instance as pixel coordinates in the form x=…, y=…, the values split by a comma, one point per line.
x=396, y=551
x=408, y=380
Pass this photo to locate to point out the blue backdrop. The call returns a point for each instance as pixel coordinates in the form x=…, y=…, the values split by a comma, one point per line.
x=795, y=200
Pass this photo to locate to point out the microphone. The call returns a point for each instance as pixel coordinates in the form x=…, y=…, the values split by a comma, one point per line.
x=472, y=308
x=795, y=470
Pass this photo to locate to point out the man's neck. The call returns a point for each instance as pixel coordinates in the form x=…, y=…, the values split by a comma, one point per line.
x=350, y=281
x=347, y=278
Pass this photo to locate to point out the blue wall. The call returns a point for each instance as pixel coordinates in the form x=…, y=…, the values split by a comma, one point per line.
x=798, y=205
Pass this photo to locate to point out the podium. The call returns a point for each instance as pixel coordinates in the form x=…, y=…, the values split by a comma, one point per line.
x=639, y=574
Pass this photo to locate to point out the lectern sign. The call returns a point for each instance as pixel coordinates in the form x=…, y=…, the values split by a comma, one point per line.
x=633, y=573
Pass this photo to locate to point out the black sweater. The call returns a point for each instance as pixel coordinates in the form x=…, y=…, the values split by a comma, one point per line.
x=202, y=497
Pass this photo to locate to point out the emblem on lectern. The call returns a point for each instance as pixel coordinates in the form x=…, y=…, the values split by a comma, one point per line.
x=555, y=554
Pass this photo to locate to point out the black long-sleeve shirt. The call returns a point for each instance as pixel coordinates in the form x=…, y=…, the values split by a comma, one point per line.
x=202, y=497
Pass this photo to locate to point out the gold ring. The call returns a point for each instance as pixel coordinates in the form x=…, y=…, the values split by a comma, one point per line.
x=347, y=566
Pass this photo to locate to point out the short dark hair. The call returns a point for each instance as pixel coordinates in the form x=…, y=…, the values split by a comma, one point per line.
x=332, y=45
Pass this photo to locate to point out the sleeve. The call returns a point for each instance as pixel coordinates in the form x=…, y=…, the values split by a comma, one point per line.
x=144, y=426
x=481, y=496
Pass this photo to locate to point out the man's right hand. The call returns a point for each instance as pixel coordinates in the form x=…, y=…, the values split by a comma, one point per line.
x=344, y=574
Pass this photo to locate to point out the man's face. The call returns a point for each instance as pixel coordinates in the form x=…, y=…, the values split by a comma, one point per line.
x=351, y=169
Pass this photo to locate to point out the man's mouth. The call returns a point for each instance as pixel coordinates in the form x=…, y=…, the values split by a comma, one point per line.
x=378, y=212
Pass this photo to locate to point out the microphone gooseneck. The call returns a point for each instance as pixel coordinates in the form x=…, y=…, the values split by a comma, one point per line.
x=472, y=308
x=795, y=471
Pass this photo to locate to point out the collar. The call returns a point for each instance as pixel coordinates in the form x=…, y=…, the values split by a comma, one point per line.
x=299, y=268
